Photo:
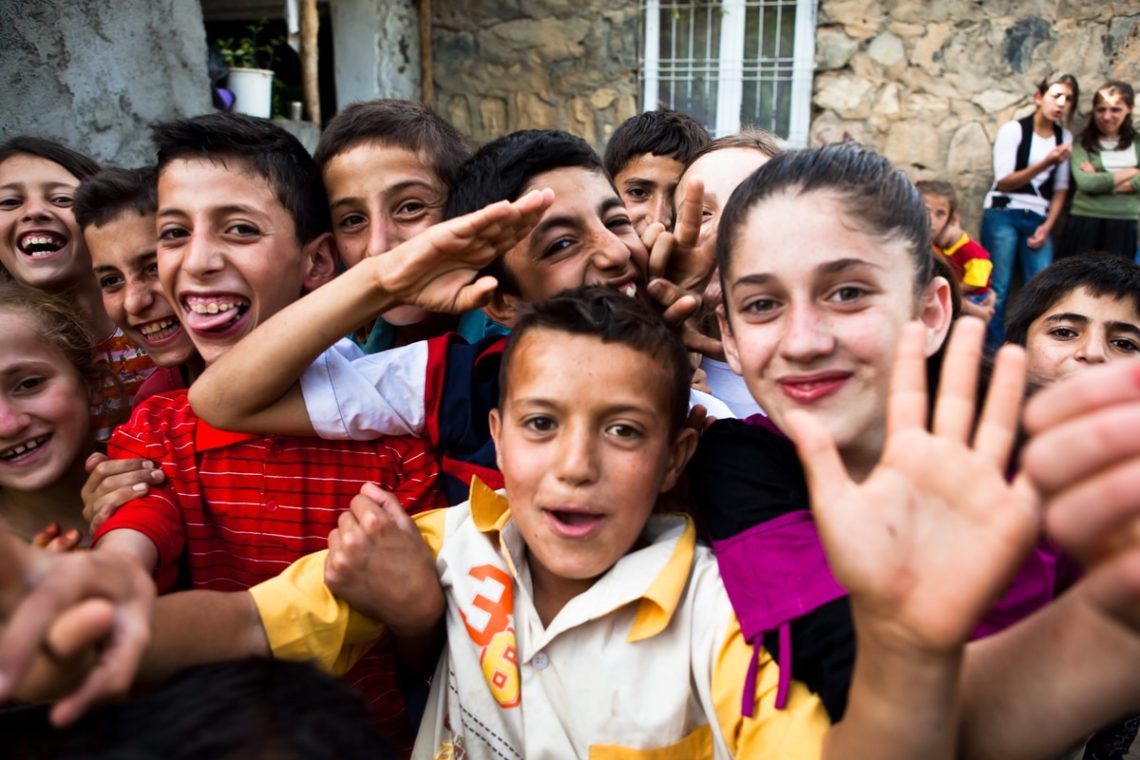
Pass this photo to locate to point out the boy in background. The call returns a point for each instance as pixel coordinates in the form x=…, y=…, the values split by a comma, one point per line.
x=970, y=262
x=645, y=157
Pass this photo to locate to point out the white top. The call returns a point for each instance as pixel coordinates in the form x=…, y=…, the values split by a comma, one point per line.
x=1005, y=159
x=730, y=388
x=1114, y=160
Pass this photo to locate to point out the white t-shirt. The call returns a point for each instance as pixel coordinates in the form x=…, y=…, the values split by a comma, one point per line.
x=1114, y=160
x=1005, y=160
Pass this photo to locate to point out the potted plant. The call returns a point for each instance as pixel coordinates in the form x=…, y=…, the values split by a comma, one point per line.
x=251, y=76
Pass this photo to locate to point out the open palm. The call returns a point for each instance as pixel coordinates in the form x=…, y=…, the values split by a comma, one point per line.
x=931, y=538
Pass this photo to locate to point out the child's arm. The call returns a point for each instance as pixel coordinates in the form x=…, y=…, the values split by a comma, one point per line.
x=437, y=270
x=378, y=563
x=1083, y=651
x=924, y=550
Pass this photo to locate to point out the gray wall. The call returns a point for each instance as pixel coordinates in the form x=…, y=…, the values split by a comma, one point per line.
x=377, y=50
x=95, y=73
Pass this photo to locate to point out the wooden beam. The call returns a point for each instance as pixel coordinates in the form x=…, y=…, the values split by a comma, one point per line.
x=310, y=84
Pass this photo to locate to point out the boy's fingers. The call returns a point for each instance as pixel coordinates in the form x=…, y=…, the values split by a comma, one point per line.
x=1086, y=515
x=396, y=513
x=476, y=294
x=688, y=225
x=957, y=389
x=94, y=460
x=1078, y=448
x=1115, y=383
x=906, y=406
x=997, y=428
x=82, y=626
x=660, y=253
x=650, y=235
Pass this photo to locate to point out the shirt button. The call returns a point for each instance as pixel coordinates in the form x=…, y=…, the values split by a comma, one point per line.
x=540, y=661
x=271, y=505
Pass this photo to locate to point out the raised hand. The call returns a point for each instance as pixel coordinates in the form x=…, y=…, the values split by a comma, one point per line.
x=438, y=270
x=683, y=257
x=927, y=542
x=111, y=483
x=379, y=564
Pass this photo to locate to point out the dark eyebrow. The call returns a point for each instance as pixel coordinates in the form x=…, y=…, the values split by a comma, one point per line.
x=1127, y=327
x=134, y=263
x=1067, y=316
x=842, y=265
x=397, y=188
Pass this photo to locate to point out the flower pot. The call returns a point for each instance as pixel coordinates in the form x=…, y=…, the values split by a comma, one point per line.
x=252, y=89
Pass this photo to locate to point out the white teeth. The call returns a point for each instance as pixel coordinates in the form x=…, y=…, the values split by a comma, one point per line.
x=630, y=290
x=22, y=448
x=154, y=327
x=211, y=308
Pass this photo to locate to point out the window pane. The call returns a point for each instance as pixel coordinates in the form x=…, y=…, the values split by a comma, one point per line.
x=689, y=50
x=770, y=27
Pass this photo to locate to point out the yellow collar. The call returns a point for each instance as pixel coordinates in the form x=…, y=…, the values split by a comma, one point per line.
x=490, y=512
x=950, y=251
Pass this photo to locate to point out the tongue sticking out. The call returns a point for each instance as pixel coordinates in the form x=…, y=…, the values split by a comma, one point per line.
x=206, y=316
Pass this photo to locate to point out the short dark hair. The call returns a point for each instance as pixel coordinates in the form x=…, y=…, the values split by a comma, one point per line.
x=400, y=123
x=940, y=188
x=77, y=164
x=261, y=147
x=111, y=192
x=660, y=133
x=254, y=708
x=1101, y=274
x=502, y=169
x=751, y=138
x=611, y=317
x=878, y=198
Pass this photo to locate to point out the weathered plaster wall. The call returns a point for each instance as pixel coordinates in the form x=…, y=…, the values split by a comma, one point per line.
x=502, y=65
x=95, y=74
x=929, y=83
x=376, y=49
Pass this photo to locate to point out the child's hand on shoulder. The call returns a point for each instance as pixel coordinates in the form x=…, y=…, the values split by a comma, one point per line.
x=379, y=564
x=931, y=538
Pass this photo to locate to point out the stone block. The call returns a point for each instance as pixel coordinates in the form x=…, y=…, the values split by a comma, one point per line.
x=887, y=49
x=833, y=48
x=970, y=150
x=905, y=30
x=603, y=98
x=459, y=113
x=848, y=96
x=994, y=100
x=580, y=120
x=927, y=51
x=530, y=111
x=913, y=143
x=861, y=19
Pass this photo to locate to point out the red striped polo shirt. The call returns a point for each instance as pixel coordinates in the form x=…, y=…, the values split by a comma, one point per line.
x=241, y=508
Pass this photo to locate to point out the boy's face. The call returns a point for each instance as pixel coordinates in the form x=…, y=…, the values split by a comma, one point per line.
x=646, y=184
x=381, y=195
x=228, y=253
x=940, y=215
x=1081, y=331
x=584, y=238
x=126, y=268
x=583, y=442
x=40, y=243
x=814, y=309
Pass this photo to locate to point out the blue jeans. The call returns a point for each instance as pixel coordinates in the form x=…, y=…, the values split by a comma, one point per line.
x=1005, y=234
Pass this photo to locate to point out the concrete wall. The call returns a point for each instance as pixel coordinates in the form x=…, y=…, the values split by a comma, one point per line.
x=94, y=74
x=376, y=46
x=502, y=65
x=929, y=83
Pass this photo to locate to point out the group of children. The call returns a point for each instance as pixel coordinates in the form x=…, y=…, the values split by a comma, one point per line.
x=460, y=443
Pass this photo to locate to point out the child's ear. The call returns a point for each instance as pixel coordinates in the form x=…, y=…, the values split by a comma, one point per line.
x=495, y=422
x=936, y=313
x=679, y=455
x=731, y=352
x=318, y=259
x=503, y=307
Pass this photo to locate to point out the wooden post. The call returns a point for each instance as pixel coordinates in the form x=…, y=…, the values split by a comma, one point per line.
x=425, y=51
x=310, y=84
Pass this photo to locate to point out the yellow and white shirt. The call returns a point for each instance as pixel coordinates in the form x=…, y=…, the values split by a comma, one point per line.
x=648, y=663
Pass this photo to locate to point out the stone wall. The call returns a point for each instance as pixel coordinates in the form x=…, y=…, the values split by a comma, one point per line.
x=94, y=74
x=502, y=65
x=929, y=83
x=377, y=49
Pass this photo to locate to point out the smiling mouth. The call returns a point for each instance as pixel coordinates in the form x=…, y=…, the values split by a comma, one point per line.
x=809, y=389
x=23, y=450
x=159, y=329
x=213, y=314
x=39, y=245
x=573, y=523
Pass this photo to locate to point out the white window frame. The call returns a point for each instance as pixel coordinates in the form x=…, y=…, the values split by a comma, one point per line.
x=730, y=78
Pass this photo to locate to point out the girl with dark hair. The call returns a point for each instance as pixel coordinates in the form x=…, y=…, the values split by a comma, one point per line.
x=1106, y=169
x=1031, y=179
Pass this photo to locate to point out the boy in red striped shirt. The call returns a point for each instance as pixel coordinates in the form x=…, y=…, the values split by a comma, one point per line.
x=243, y=230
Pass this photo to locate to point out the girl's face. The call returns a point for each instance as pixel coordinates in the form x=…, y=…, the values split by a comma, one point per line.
x=813, y=310
x=44, y=412
x=1110, y=113
x=40, y=244
x=1056, y=102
